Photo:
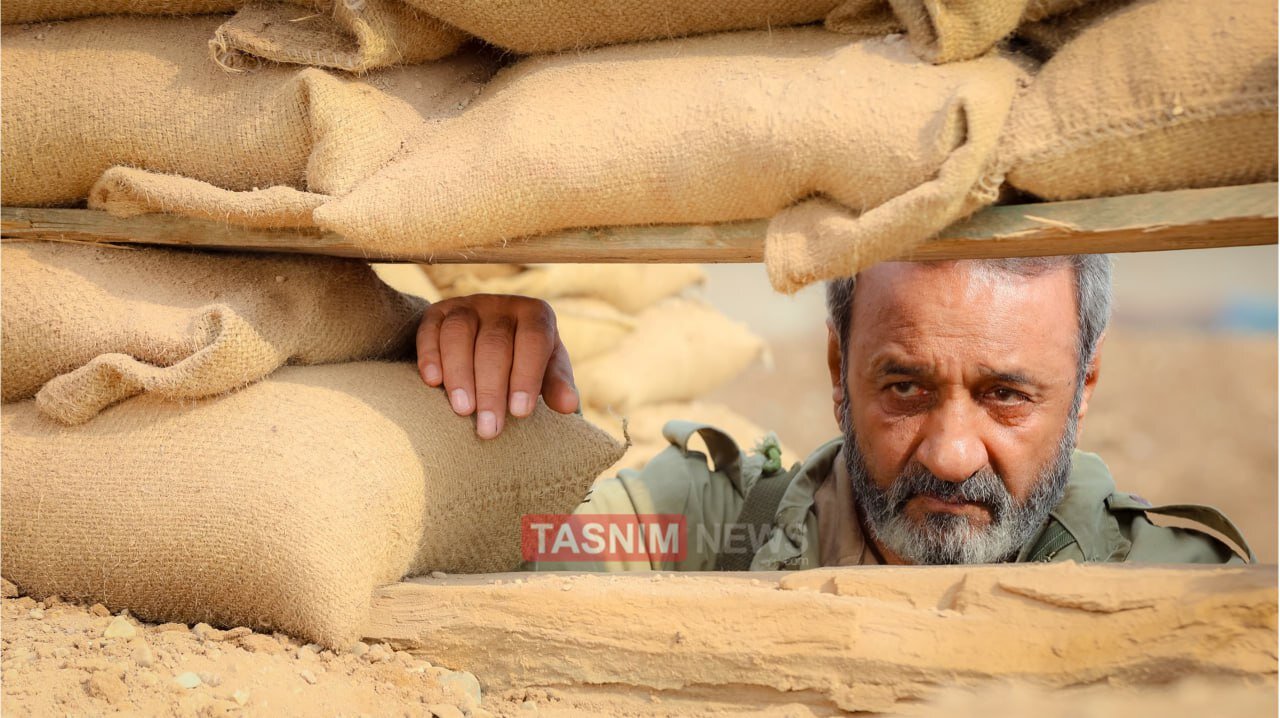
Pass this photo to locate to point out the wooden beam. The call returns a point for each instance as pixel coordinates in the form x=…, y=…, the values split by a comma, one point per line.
x=875, y=638
x=1185, y=219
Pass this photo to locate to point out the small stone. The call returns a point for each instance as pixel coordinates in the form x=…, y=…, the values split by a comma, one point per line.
x=439, y=574
x=308, y=676
x=99, y=610
x=36, y=613
x=210, y=679
x=378, y=653
x=279, y=278
x=259, y=643
x=443, y=710
x=120, y=627
x=108, y=687
x=24, y=603
x=187, y=680
x=143, y=655
x=170, y=627
x=359, y=648
x=7, y=588
x=529, y=706
x=462, y=682
x=205, y=632
x=240, y=696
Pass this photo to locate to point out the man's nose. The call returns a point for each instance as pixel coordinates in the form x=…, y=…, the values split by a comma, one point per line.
x=952, y=447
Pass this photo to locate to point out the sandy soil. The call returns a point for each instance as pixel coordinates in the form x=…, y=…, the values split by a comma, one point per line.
x=61, y=659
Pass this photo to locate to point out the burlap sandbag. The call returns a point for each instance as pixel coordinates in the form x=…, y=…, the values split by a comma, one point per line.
x=19, y=11
x=629, y=287
x=950, y=30
x=142, y=92
x=590, y=327
x=84, y=327
x=680, y=349
x=281, y=506
x=345, y=35
x=128, y=192
x=537, y=26
x=1186, y=98
x=716, y=128
x=407, y=279
x=444, y=276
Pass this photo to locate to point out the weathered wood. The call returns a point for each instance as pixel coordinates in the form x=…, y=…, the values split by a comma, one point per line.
x=1186, y=219
x=855, y=639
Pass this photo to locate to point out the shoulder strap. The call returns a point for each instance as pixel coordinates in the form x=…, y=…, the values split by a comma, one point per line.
x=1206, y=515
x=754, y=520
x=725, y=455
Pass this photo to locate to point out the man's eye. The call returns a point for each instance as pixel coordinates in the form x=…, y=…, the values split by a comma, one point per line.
x=1008, y=396
x=906, y=389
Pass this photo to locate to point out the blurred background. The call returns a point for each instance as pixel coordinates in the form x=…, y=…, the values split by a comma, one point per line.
x=1185, y=410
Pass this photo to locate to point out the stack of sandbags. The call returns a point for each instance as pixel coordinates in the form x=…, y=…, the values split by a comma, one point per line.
x=645, y=348
x=1152, y=95
x=170, y=463
x=716, y=128
x=131, y=114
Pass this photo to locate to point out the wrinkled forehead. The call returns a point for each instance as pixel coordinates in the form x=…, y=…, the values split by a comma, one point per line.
x=966, y=310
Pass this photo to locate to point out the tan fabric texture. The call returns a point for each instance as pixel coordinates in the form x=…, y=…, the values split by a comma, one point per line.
x=87, y=326
x=952, y=30
x=538, y=26
x=444, y=276
x=129, y=192
x=143, y=92
x=1188, y=100
x=19, y=11
x=281, y=506
x=408, y=279
x=945, y=30
x=590, y=327
x=344, y=35
x=1045, y=37
x=629, y=287
x=717, y=128
x=681, y=349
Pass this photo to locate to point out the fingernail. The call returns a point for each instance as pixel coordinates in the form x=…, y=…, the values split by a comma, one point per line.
x=432, y=374
x=460, y=401
x=487, y=425
x=520, y=403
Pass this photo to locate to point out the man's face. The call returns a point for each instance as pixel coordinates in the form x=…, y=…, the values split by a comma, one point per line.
x=961, y=383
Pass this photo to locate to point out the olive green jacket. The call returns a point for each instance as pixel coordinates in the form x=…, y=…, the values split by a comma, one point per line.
x=1093, y=522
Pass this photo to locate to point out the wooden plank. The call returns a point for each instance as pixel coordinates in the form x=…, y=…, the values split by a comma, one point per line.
x=873, y=638
x=1185, y=219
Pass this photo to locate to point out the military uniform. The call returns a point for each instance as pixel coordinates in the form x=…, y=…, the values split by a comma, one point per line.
x=743, y=511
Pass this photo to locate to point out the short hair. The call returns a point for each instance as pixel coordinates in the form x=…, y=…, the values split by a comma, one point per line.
x=1093, y=297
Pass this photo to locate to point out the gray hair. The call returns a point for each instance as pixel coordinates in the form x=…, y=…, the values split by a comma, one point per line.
x=1093, y=298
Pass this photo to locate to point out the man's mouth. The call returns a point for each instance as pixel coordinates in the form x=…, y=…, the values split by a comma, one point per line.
x=935, y=504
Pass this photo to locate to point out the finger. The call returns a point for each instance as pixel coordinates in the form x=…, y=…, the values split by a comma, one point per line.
x=494, y=347
x=535, y=340
x=457, y=351
x=428, y=342
x=558, y=389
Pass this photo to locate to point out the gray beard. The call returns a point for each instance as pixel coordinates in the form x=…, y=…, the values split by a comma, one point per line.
x=947, y=538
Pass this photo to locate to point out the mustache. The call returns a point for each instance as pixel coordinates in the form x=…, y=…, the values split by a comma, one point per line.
x=984, y=488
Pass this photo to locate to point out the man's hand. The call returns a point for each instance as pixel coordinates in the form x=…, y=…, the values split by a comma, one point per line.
x=492, y=352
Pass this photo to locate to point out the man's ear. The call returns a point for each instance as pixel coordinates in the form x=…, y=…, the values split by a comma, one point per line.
x=1090, y=383
x=834, y=366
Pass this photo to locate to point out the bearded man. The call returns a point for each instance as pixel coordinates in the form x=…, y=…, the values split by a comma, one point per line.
x=960, y=389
